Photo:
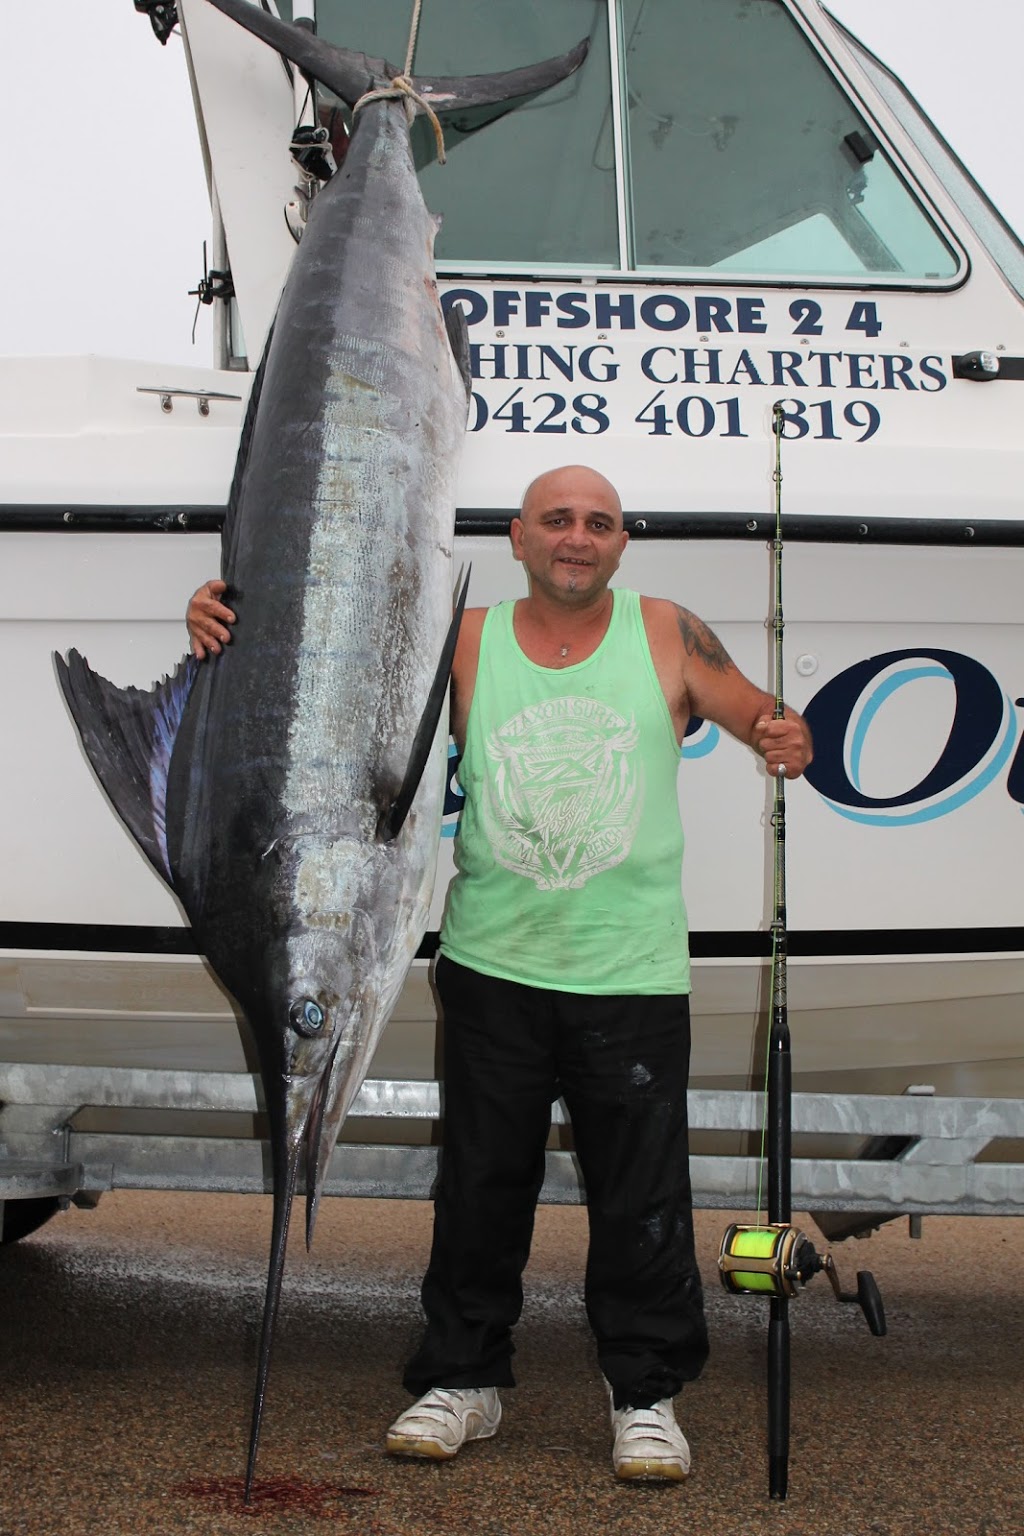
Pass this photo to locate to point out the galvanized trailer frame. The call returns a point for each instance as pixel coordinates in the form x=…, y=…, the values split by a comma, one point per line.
x=936, y=1169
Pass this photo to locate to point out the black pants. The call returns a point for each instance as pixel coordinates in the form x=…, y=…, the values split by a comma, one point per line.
x=621, y=1064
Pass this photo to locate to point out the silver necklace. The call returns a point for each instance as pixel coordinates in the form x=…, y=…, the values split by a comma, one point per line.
x=564, y=650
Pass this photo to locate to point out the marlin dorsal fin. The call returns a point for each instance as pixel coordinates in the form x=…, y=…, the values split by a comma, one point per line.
x=394, y=817
x=128, y=735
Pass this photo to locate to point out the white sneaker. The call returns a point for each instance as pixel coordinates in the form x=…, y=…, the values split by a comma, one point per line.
x=649, y=1444
x=440, y=1423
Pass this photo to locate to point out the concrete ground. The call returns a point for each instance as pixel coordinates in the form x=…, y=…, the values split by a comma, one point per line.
x=128, y=1335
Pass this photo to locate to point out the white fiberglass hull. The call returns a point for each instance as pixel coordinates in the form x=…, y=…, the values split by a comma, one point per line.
x=906, y=910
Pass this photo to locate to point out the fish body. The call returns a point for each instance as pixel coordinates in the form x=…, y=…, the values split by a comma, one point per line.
x=339, y=560
x=291, y=792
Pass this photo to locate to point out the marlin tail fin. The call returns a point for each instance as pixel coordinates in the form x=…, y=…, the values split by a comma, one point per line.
x=350, y=75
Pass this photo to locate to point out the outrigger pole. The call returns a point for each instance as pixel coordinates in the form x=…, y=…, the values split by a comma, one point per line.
x=775, y=1259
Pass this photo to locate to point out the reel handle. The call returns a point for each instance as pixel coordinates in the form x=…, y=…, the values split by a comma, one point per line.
x=870, y=1298
x=866, y=1297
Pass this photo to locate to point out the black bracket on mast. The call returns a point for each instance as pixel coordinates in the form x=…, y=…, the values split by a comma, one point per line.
x=163, y=17
x=215, y=283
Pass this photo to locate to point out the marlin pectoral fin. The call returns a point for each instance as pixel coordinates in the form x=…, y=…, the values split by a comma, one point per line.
x=394, y=817
x=128, y=735
x=317, y=1155
x=458, y=336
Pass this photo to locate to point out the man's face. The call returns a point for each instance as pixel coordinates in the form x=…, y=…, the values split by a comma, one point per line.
x=569, y=535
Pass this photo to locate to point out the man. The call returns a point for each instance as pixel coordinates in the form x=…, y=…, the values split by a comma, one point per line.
x=564, y=970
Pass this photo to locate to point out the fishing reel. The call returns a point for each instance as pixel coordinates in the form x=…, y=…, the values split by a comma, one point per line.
x=777, y=1259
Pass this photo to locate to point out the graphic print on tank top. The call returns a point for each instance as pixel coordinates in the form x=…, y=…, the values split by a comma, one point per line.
x=565, y=798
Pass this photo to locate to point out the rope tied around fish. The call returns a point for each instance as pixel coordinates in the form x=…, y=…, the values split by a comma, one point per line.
x=402, y=86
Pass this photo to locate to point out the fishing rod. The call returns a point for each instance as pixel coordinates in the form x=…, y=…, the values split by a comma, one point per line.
x=774, y=1258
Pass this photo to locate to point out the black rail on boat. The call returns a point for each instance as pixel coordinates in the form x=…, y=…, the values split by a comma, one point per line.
x=742, y=944
x=492, y=522
x=62, y=518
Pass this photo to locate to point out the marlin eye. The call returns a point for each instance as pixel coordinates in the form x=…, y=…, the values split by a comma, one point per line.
x=306, y=1016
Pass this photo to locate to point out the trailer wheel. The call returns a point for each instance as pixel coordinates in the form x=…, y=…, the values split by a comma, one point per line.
x=24, y=1216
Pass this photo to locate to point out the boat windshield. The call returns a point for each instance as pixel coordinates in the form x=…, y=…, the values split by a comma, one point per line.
x=982, y=215
x=699, y=136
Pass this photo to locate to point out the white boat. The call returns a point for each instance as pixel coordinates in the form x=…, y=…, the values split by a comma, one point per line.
x=732, y=204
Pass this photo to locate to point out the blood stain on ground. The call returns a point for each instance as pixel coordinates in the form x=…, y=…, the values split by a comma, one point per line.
x=274, y=1494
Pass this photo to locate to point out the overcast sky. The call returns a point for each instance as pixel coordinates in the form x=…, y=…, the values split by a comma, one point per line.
x=104, y=198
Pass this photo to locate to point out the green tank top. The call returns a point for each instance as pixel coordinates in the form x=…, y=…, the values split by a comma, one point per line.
x=570, y=848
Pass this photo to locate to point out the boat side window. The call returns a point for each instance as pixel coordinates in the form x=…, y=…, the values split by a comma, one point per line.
x=736, y=150
x=747, y=156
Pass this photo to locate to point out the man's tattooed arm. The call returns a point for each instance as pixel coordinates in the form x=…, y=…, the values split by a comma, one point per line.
x=700, y=641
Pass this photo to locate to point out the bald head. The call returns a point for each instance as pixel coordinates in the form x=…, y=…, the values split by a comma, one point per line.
x=569, y=535
x=572, y=485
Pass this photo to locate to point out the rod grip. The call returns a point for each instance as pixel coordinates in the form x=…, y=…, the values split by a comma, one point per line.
x=778, y=1398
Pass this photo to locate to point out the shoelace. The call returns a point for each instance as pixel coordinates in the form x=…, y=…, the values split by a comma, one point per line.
x=643, y=1420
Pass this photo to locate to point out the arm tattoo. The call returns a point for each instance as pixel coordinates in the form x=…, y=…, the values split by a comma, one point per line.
x=702, y=642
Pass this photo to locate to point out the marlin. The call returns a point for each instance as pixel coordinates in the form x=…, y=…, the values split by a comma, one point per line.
x=291, y=794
